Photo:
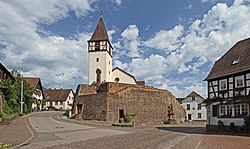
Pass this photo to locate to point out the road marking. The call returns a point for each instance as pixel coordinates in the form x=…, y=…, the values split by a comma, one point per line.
x=198, y=145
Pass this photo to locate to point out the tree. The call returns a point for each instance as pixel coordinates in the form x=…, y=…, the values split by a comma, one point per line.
x=27, y=91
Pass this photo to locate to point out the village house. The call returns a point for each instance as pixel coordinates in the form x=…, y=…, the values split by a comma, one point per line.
x=229, y=88
x=60, y=99
x=195, y=107
x=113, y=93
x=4, y=75
x=38, y=93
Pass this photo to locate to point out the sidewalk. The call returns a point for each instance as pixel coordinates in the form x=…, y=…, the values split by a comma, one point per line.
x=15, y=133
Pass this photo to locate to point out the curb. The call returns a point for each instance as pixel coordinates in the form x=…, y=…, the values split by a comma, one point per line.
x=32, y=131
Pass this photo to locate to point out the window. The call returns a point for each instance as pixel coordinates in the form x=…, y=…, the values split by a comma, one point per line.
x=229, y=110
x=199, y=106
x=199, y=115
x=236, y=110
x=97, y=59
x=56, y=103
x=239, y=81
x=188, y=106
x=109, y=62
x=214, y=110
x=193, y=98
x=61, y=103
x=117, y=80
x=244, y=109
x=222, y=110
x=223, y=84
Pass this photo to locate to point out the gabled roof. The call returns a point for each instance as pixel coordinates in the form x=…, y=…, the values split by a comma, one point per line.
x=236, y=60
x=6, y=71
x=193, y=94
x=100, y=32
x=57, y=94
x=32, y=81
x=35, y=83
x=125, y=73
x=198, y=98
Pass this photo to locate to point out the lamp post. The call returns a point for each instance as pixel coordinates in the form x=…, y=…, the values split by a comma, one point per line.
x=22, y=96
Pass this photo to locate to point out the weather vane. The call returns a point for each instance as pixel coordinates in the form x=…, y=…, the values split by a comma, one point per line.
x=101, y=13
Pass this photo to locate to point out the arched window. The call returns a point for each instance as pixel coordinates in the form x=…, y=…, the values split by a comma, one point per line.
x=117, y=80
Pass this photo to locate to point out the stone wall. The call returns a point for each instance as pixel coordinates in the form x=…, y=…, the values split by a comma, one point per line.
x=94, y=106
x=148, y=103
x=84, y=89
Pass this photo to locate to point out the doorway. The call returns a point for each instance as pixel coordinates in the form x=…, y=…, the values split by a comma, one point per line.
x=189, y=116
x=121, y=115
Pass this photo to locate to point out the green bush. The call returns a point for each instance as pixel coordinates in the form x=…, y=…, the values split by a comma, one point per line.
x=232, y=126
x=4, y=145
x=128, y=117
x=220, y=124
x=247, y=123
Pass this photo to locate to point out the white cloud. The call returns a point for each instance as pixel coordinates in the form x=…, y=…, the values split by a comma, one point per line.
x=166, y=40
x=118, y=2
x=189, y=7
x=154, y=65
x=56, y=60
x=207, y=39
x=130, y=41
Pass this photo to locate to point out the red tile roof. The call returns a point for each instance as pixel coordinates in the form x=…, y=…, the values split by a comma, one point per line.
x=32, y=81
x=100, y=32
x=224, y=66
x=57, y=94
x=193, y=94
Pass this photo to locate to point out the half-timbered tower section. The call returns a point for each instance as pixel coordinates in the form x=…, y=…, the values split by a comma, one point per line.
x=229, y=86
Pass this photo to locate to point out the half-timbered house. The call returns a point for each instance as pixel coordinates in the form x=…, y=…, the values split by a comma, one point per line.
x=229, y=87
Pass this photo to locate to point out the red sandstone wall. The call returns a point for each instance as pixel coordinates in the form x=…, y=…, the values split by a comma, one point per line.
x=149, y=105
x=94, y=106
x=84, y=89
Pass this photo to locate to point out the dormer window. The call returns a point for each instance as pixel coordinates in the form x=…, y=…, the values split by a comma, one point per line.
x=235, y=61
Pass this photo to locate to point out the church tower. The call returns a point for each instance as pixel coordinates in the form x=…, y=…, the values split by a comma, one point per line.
x=100, y=55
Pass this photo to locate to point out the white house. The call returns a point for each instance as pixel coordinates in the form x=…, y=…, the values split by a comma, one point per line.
x=38, y=93
x=229, y=87
x=100, y=59
x=194, y=106
x=60, y=99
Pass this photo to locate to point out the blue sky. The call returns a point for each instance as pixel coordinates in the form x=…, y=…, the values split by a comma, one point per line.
x=170, y=44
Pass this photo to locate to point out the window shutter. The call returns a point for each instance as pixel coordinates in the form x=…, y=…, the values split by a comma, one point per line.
x=215, y=111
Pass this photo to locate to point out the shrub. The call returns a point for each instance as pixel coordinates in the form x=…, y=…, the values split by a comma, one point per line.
x=220, y=124
x=128, y=117
x=232, y=126
x=247, y=123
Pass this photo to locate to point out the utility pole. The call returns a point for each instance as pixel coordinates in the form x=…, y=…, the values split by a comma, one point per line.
x=22, y=96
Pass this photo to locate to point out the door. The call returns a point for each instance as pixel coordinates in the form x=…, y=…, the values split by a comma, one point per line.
x=189, y=116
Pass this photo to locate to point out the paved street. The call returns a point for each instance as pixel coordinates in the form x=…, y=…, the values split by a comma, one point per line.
x=50, y=131
x=53, y=132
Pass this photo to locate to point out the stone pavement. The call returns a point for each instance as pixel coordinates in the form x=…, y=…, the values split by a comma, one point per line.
x=16, y=133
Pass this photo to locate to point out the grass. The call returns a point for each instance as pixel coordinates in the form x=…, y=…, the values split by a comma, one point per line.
x=122, y=125
x=4, y=145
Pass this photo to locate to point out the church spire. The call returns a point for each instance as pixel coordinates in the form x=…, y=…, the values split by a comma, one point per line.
x=100, y=32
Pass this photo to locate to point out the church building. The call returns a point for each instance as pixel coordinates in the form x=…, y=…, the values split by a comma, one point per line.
x=100, y=59
x=112, y=92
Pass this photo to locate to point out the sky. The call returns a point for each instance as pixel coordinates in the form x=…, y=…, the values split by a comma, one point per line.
x=169, y=44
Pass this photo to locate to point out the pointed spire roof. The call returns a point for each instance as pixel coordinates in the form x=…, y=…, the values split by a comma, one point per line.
x=100, y=32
